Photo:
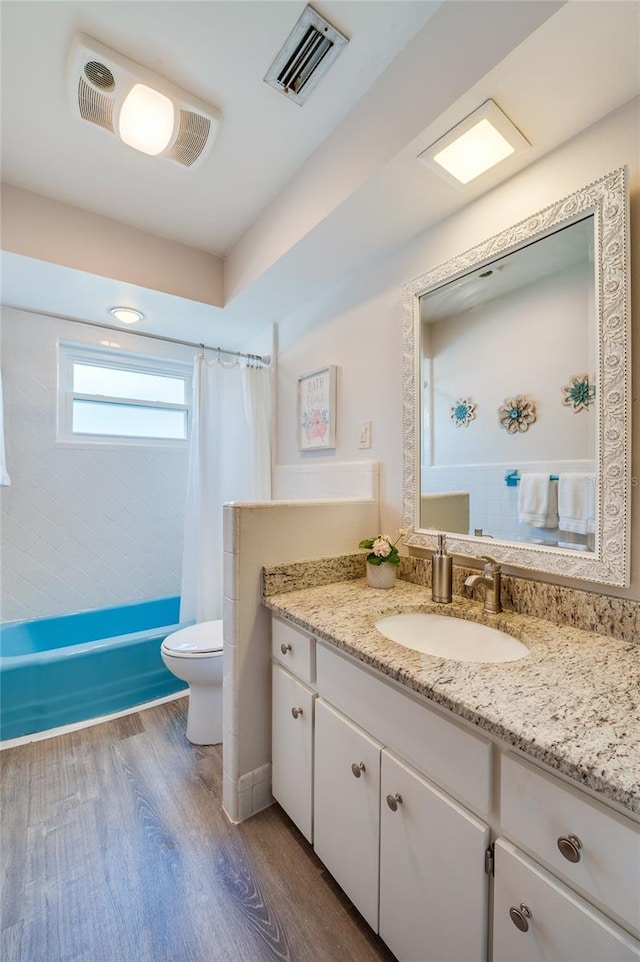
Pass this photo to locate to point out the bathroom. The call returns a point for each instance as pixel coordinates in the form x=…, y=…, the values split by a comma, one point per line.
x=348, y=315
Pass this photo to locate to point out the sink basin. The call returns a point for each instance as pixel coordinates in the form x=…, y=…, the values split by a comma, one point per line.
x=452, y=638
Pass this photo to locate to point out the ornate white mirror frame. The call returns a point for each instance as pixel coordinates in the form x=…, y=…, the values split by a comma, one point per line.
x=609, y=563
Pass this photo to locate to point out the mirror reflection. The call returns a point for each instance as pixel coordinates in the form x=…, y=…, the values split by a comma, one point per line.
x=516, y=392
x=507, y=368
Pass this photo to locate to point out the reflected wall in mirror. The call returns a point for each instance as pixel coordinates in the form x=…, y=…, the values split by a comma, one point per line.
x=538, y=313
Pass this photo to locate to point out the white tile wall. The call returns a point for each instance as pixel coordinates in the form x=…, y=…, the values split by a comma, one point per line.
x=492, y=505
x=341, y=479
x=82, y=526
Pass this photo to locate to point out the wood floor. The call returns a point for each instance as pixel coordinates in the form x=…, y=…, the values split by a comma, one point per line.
x=115, y=848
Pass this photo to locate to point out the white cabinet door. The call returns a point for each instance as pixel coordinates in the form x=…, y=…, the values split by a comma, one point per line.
x=347, y=807
x=433, y=886
x=292, y=748
x=560, y=926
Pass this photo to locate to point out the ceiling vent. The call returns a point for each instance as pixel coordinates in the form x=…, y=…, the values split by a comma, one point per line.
x=310, y=49
x=99, y=80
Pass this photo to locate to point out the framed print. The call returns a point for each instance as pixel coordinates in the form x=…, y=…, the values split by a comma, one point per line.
x=317, y=409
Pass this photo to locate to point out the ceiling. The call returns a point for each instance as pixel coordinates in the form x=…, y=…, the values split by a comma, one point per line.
x=292, y=198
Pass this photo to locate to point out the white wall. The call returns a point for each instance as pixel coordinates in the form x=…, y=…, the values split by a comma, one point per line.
x=358, y=325
x=83, y=526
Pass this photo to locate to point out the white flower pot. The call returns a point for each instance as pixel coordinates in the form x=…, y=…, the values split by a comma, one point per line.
x=381, y=576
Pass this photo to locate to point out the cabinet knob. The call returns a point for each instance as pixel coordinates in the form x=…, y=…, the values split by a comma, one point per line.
x=358, y=768
x=296, y=711
x=520, y=916
x=285, y=648
x=393, y=801
x=570, y=846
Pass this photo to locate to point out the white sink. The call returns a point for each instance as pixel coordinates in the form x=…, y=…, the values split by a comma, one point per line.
x=452, y=638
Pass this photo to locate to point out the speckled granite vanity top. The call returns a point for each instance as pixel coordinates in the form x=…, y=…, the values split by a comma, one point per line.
x=573, y=702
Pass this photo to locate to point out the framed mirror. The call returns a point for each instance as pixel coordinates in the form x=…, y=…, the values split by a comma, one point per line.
x=516, y=393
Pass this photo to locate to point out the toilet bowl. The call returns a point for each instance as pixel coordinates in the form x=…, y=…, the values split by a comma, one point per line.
x=194, y=654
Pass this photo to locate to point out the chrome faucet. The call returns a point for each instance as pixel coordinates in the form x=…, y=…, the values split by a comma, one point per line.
x=491, y=579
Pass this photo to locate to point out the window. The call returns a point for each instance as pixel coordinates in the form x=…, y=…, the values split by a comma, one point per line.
x=115, y=396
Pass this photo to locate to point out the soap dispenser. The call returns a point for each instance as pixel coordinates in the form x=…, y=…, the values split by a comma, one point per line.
x=441, y=572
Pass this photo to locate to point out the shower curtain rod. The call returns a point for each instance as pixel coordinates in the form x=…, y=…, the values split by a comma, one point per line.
x=261, y=358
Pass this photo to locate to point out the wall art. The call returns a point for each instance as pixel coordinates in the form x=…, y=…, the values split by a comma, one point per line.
x=517, y=413
x=579, y=393
x=317, y=409
x=463, y=412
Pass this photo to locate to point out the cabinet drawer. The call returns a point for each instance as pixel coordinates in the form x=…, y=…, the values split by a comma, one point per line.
x=293, y=649
x=536, y=810
x=455, y=758
x=559, y=924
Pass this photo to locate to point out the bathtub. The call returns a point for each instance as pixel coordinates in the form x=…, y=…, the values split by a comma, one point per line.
x=55, y=671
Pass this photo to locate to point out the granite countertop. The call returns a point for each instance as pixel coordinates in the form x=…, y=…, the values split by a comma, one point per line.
x=573, y=702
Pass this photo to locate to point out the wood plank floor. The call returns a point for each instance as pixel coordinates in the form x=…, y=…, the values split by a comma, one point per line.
x=115, y=848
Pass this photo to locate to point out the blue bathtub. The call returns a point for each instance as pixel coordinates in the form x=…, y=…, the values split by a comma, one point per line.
x=55, y=671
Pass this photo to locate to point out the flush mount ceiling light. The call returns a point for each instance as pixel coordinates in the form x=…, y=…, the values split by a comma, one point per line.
x=140, y=107
x=126, y=315
x=479, y=142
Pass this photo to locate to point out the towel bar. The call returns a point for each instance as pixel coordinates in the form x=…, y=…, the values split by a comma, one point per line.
x=512, y=478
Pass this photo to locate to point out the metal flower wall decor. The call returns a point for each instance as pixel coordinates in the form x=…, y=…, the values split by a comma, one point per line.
x=517, y=413
x=462, y=412
x=579, y=393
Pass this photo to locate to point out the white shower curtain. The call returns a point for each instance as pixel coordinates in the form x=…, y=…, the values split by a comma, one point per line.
x=229, y=460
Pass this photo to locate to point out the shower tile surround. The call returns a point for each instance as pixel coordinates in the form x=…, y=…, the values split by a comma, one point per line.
x=83, y=525
x=575, y=700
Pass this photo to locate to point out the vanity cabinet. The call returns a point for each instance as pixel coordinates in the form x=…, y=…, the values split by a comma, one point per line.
x=402, y=803
x=433, y=886
x=292, y=754
x=537, y=918
x=410, y=859
x=591, y=848
x=347, y=807
x=292, y=724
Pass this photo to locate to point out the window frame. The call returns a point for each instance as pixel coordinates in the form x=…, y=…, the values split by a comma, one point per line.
x=73, y=353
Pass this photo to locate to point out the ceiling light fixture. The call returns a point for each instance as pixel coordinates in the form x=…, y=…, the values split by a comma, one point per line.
x=146, y=120
x=143, y=109
x=126, y=315
x=483, y=139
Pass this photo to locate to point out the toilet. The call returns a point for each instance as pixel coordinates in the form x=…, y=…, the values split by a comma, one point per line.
x=194, y=654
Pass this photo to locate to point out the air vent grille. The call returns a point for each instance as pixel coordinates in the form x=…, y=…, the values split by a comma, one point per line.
x=305, y=59
x=94, y=106
x=192, y=136
x=310, y=49
x=99, y=75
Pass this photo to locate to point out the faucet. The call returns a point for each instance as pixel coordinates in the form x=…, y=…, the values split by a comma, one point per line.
x=491, y=580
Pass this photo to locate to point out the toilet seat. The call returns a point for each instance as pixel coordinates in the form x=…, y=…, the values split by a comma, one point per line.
x=195, y=641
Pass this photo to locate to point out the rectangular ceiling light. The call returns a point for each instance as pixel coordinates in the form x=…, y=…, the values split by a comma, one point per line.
x=478, y=143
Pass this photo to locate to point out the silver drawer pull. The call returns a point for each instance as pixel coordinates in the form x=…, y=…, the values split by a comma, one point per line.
x=393, y=801
x=285, y=648
x=358, y=768
x=520, y=916
x=570, y=846
x=296, y=712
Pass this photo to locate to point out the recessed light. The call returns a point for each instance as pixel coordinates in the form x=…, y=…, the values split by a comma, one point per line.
x=479, y=142
x=126, y=315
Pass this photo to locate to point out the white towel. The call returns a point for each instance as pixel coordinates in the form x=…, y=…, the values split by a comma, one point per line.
x=4, y=476
x=577, y=503
x=538, y=501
